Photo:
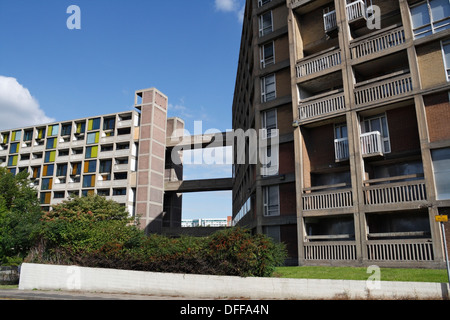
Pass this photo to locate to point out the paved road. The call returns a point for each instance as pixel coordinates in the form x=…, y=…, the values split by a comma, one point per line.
x=14, y=294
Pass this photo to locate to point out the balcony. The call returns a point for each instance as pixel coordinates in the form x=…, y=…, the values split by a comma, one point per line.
x=383, y=89
x=371, y=145
x=378, y=41
x=394, y=190
x=318, y=62
x=338, y=250
x=314, y=199
x=320, y=105
x=400, y=250
x=355, y=11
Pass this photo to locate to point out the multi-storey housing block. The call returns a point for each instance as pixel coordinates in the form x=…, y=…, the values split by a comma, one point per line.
x=121, y=156
x=370, y=146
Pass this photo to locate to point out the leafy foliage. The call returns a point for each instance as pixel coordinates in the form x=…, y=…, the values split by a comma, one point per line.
x=95, y=232
x=19, y=216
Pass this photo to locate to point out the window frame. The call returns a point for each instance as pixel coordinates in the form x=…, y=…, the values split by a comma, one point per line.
x=431, y=26
x=446, y=43
x=266, y=205
x=265, y=95
x=264, y=30
x=265, y=62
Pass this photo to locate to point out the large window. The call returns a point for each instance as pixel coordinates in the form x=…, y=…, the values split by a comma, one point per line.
x=271, y=199
x=267, y=54
x=446, y=53
x=441, y=166
x=265, y=24
x=269, y=123
x=430, y=16
x=270, y=165
x=268, y=88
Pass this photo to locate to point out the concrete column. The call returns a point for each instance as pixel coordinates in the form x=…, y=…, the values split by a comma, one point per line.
x=151, y=158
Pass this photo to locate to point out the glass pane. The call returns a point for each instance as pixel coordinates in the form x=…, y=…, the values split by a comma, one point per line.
x=420, y=15
x=447, y=55
x=375, y=125
x=441, y=165
x=440, y=9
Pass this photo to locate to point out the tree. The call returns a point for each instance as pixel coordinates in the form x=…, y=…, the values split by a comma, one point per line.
x=20, y=215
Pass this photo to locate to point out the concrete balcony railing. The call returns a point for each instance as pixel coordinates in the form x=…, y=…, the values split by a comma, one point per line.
x=371, y=145
x=356, y=10
x=394, y=190
x=400, y=250
x=330, y=250
x=377, y=42
x=320, y=105
x=314, y=199
x=318, y=62
x=383, y=89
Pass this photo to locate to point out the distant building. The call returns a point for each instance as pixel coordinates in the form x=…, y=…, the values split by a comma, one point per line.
x=209, y=222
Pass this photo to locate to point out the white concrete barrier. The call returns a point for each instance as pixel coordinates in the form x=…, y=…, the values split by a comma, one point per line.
x=72, y=278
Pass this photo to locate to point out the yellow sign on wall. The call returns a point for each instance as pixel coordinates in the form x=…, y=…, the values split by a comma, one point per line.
x=441, y=218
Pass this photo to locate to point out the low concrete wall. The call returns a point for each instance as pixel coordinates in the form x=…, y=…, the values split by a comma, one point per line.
x=71, y=278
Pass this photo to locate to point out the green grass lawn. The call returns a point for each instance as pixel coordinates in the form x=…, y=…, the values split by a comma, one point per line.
x=350, y=273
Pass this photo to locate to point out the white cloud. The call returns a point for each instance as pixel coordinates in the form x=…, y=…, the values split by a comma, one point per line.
x=18, y=108
x=235, y=6
x=226, y=5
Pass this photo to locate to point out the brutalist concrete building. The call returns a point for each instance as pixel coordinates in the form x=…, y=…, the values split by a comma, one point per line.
x=121, y=156
x=359, y=93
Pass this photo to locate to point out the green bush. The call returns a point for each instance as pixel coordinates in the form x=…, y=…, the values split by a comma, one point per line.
x=19, y=216
x=82, y=232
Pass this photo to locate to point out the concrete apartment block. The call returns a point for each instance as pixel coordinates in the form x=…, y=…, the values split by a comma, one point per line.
x=361, y=101
x=121, y=156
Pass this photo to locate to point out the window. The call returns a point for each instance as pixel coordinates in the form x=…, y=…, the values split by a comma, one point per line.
x=263, y=2
x=265, y=24
x=109, y=123
x=93, y=137
x=40, y=133
x=50, y=156
x=14, y=148
x=270, y=165
x=81, y=127
x=12, y=161
x=446, y=52
x=61, y=170
x=16, y=135
x=105, y=166
x=267, y=54
x=269, y=123
x=47, y=184
x=89, y=181
x=48, y=170
x=94, y=124
x=53, y=130
x=90, y=166
x=45, y=197
x=28, y=135
x=268, y=88
x=430, y=16
x=91, y=152
x=66, y=129
x=58, y=195
x=379, y=123
x=51, y=143
x=271, y=201
x=441, y=166
x=76, y=169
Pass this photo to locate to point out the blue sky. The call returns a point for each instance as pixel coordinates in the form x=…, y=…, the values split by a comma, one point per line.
x=187, y=49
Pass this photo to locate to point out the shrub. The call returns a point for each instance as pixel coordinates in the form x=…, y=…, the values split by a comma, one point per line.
x=83, y=232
